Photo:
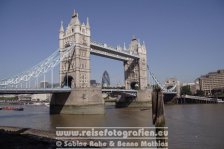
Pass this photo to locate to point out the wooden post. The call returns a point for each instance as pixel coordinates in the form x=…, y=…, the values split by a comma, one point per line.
x=158, y=113
x=158, y=108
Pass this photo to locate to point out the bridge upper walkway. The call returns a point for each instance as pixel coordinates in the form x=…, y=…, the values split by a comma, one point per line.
x=117, y=53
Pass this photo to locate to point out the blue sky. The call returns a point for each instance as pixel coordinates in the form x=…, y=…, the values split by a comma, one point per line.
x=184, y=39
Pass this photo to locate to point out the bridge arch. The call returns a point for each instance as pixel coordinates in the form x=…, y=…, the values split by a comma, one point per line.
x=134, y=85
x=68, y=81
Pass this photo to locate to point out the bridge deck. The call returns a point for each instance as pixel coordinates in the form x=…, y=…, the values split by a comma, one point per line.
x=55, y=90
x=199, y=98
x=35, y=91
x=118, y=90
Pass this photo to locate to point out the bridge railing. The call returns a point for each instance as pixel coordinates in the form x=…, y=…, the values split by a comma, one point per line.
x=40, y=69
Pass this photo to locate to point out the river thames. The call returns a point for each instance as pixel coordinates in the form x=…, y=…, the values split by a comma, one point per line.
x=192, y=126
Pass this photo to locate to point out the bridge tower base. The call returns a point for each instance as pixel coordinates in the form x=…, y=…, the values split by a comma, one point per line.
x=78, y=101
x=143, y=99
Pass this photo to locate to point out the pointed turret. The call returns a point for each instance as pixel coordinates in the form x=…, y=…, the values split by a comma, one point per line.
x=87, y=23
x=143, y=44
x=75, y=19
x=74, y=14
x=144, y=47
x=61, y=35
x=139, y=43
x=125, y=46
x=134, y=44
x=83, y=24
x=62, y=28
x=77, y=22
x=87, y=27
x=133, y=38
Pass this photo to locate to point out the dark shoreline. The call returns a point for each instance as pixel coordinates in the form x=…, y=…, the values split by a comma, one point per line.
x=25, y=138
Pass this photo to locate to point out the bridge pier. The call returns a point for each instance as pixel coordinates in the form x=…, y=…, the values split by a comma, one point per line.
x=142, y=100
x=78, y=101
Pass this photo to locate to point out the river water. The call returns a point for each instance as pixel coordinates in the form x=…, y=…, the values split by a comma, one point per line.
x=193, y=126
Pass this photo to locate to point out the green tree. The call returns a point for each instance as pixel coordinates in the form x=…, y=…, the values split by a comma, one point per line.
x=186, y=90
x=200, y=93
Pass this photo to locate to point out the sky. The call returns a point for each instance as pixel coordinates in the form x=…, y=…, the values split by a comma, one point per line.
x=184, y=38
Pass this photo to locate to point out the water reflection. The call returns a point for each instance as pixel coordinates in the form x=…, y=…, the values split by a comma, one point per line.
x=190, y=126
x=129, y=117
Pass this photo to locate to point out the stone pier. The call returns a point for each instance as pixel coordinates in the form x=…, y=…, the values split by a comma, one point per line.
x=143, y=100
x=78, y=101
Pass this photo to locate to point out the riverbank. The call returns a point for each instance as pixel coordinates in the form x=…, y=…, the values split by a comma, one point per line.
x=20, y=138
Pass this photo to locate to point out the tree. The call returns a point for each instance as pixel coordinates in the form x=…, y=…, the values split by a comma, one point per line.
x=186, y=90
x=200, y=93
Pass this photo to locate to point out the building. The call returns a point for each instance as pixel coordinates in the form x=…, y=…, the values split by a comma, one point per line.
x=24, y=97
x=93, y=83
x=211, y=81
x=193, y=86
x=40, y=97
x=105, y=79
x=8, y=96
x=169, y=83
x=44, y=84
x=173, y=83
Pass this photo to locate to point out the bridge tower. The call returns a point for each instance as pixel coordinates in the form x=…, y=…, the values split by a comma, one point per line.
x=75, y=69
x=75, y=73
x=136, y=74
x=136, y=69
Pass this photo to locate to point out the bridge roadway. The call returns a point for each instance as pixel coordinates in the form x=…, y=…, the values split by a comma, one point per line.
x=59, y=90
x=132, y=93
x=196, y=99
x=165, y=92
x=35, y=91
x=199, y=98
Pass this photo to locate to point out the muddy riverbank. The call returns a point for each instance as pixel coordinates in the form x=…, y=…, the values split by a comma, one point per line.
x=21, y=138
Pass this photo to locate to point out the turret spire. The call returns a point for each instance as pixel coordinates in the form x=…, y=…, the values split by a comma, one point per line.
x=133, y=37
x=74, y=14
x=139, y=43
x=143, y=44
x=87, y=23
x=61, y=28
x=77, y=22
x=75, y=19
x=124, y=46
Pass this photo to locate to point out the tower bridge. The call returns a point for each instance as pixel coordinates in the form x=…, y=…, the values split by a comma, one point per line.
x=77, y=64
x=73, y=56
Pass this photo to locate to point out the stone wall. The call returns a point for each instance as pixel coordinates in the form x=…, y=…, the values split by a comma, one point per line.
x=79, y=101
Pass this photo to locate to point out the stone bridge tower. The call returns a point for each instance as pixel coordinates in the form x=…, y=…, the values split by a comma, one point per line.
x=136, y=69
x=75, y=69
x=136, y=74
x=75, y=73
